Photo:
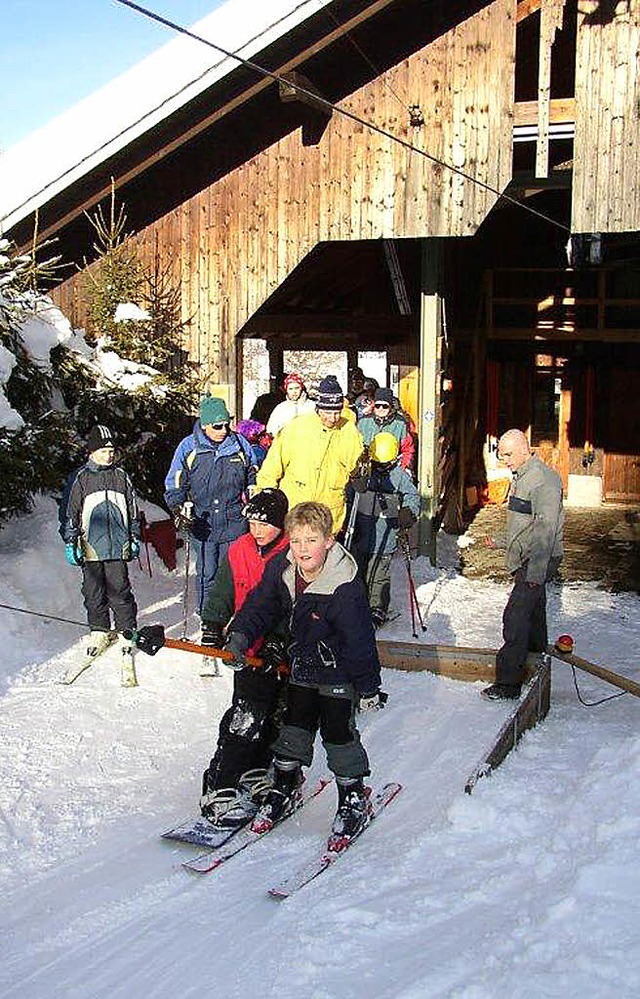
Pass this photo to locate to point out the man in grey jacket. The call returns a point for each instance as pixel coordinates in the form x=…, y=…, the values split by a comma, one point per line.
x=535, y=520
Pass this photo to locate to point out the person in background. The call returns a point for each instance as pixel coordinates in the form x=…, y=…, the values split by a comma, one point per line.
x=258, y=438
x=314, y=455
x=236, y=779
x=363, y=406
x=296, y=403
x=100, y=525
x=387, y=502
x=386, y=417
x=535, y=519
x=334, y=666
x=207, y=485
x=356, y=384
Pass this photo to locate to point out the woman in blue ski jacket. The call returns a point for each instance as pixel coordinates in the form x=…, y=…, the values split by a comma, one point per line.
x=212, y=469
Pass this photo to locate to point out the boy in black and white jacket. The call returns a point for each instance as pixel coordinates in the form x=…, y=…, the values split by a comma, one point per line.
x=100, y=526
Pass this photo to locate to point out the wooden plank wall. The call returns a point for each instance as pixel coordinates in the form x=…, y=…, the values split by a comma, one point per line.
x=606, y=186
x=234, y=243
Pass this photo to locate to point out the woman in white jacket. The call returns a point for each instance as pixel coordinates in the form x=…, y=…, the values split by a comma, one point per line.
x=296, y=403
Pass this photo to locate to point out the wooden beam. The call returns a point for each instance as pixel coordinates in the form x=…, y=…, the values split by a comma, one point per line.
x=297, y=87
x=562, y=110
x=550, y=24
x=533, y=706
x=285, y=324
x=429, y=392
x=616, y=679
x=119, y=180
x=526, y=8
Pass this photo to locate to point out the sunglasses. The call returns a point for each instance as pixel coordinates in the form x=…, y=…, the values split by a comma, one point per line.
x=219, y=426
x=381, y=405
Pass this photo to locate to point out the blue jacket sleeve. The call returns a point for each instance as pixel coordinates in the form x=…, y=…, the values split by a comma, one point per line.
x=350, y=618
x=63, y=508
x=176, y=483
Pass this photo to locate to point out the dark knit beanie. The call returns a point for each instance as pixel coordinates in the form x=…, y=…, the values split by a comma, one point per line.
x=384, y=395
x=269, y=506
x=330, y=396
x=213, y=410
x=99, y=436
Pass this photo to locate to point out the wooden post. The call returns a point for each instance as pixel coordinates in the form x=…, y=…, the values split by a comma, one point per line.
x=429, y=393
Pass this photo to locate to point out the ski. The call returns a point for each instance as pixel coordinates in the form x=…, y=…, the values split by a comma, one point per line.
x=128, y=677
x=245, y=837
x=201, y=832
x=73, y=672
x=313, y=868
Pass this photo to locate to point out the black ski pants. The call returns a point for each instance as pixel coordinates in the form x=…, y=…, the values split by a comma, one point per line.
x=524, y=625
x=312, y=708
x=105, y=587
x=247, y=728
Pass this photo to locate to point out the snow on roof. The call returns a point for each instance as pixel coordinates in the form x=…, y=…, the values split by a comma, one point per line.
x=70, y=145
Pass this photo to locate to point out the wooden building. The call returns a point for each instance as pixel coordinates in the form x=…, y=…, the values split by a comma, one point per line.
x=452, y=182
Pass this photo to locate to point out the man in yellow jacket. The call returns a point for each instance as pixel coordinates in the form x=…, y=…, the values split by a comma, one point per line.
x=314, y=455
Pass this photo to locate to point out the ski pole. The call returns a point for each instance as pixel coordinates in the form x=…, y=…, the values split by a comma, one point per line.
x=413, y=596
x=348, y=534
x=187, y=511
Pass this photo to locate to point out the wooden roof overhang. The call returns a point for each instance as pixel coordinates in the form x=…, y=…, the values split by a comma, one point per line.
x=345, y=294
x=244, y=112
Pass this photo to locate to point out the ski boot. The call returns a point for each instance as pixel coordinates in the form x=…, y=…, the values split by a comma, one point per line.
x=352, y=815
x=283, y=797
x=232, y=808
x=98, y=641
x=501, y=692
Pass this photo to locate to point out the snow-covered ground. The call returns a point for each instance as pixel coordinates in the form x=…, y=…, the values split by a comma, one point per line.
x=530, y=887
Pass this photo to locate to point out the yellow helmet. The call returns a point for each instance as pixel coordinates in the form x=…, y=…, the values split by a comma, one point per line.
x=384, y=448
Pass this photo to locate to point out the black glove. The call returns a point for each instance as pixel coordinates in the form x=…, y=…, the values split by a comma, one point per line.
x=374, y=701
x=212, y=634
x=406, y=518
x=237, y=644
x=150, y=639
x=360, y=483
x=182, y=517
x=273, y=654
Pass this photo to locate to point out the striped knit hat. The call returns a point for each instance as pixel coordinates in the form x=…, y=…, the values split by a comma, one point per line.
x=99, y=436
x=330, y=395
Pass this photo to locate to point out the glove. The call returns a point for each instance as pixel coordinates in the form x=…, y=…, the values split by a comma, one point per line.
x=237, y=644
x=360, y=483
x=406, y=518
x=212, y=634
x=72, y=555
x=134, y=549
x=150, y=639
x=373, y=702
x=183, y=516
x=273, y=654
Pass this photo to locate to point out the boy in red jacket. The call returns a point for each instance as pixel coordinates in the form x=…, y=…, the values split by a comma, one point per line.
x=236, y=778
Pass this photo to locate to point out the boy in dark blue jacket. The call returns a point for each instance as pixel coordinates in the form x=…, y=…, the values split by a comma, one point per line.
x=334, y=665
x=100, y=526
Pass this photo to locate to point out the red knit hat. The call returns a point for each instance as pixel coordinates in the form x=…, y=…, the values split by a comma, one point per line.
x=293, y=377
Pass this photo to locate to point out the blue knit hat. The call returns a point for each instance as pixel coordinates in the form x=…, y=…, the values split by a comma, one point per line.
x=213, y=410
x=330, y=396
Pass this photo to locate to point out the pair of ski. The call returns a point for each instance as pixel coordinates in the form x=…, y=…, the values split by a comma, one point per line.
x=128, y=676
x=223, y=843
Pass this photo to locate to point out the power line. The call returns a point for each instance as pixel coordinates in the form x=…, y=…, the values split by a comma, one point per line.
x=330, y=106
